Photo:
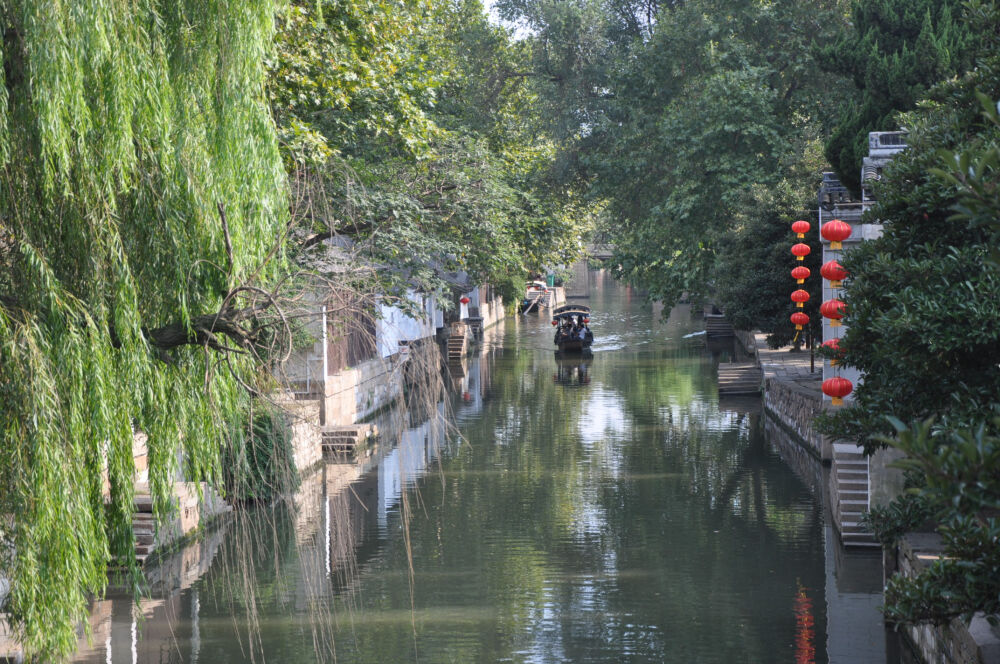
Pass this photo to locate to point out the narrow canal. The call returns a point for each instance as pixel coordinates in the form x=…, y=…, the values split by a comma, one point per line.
x=602, y=510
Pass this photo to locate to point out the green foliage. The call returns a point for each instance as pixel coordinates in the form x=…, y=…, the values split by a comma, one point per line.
x=906, y=514
x=752, y=278
x=427, y=157
x=123, y=127
x=923, y=299
x=262, y=467
x=350, y=76
x=894, y=52
x=671, y=123
x=962, y=491
x=922, y=311
x=973, y=173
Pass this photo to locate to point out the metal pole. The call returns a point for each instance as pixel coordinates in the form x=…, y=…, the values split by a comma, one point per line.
x=326, y=360
x=812, y=353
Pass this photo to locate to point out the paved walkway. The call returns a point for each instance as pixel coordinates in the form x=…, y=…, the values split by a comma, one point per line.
x=786, y=365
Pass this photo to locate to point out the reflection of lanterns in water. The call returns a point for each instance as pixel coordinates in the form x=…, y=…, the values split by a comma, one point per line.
x=805, y=629
x=466, y=396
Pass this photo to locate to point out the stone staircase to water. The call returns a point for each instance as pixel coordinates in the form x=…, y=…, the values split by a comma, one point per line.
x=739, y=379
x=716, y=325
x=143, y=526
x=457, y=345
x=341, y=440
x=850, y=487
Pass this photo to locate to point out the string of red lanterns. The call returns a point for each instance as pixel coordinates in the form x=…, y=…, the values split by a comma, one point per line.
x=835, y=231
x=800, y=274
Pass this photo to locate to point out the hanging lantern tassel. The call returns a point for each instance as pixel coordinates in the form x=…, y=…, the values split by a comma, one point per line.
x=837, y=388
x=800, y=297
x=800, y=274
x=836, y=231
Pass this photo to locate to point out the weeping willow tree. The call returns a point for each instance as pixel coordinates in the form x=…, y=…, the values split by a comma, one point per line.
x=141, y=204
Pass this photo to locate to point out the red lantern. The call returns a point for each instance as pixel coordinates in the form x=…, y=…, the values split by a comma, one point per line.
x=800, y=274
x=800, y=297
x=554, y=322
x=834, y=310
x=800, y=250
x=834, y=345
x=464, y=300
x=835, y=272
x=586, y=320
x=800, y=228
x=837, y=388
x=799, y=319
x=836, y=231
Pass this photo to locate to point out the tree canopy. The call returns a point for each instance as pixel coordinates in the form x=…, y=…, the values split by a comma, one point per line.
x=922, y=306
x=676, y=124
x=125, y=130
x=168, y=170
x=895, y=51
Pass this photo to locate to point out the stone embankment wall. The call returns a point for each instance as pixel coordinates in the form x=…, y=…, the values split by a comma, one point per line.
x=492, y=312
x=954, y=643
x=802, y=462
x=795, y=408
x=307, y=437
x=356, y=393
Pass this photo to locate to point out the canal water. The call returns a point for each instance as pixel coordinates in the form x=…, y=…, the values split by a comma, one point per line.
x=591, y=510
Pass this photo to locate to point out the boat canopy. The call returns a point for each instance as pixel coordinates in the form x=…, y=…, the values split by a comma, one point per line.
x=568, y=310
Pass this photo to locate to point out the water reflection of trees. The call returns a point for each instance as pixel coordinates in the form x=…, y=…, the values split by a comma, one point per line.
x=562, y=528
x=625, y=519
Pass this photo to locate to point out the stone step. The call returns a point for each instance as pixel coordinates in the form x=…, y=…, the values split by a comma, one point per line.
x=143, y=503
x=852, y=471
x=853, y=526
x=143, y=526
x=857, y=541
x=850, y=464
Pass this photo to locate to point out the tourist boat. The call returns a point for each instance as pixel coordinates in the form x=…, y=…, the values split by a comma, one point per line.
x=573, y=333
x=536, y=296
